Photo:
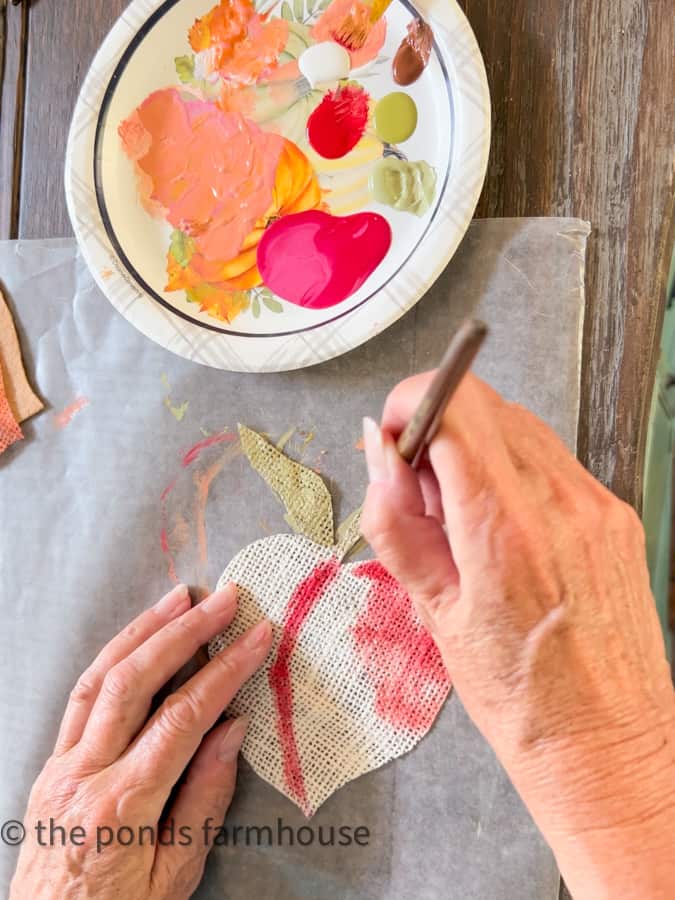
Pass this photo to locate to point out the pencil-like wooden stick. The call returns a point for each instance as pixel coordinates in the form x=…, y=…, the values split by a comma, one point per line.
x=456, y=362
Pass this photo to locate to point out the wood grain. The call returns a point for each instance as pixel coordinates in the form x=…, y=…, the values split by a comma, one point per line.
x=584, y=125
x=13, y=40
x=62, y=41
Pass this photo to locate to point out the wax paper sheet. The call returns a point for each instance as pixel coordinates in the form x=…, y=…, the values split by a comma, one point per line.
x=126, y=480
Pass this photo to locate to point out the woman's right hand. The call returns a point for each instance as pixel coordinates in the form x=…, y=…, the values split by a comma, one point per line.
x=532, y=579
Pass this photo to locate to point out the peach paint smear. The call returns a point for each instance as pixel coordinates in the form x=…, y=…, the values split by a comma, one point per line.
x=183, y=503
x=66, y=416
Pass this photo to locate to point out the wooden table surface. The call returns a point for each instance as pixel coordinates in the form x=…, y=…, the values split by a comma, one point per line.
x=584, y=125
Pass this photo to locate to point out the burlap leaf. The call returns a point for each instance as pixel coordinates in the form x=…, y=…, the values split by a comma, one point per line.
x=309, y=508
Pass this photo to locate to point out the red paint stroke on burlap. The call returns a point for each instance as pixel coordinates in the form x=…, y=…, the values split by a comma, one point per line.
x=399, y=655
x=305, y=597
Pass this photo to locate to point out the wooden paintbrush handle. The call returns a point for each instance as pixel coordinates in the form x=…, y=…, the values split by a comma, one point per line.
x=455, y=364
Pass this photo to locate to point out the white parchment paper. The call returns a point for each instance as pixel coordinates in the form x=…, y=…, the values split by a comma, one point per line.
x=84, y=503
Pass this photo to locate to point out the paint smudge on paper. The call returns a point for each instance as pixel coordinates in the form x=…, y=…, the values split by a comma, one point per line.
x=398, y=653
x=303, y=600
x=195, y=451
x=177, y=410
x=183, y=528
x=202, y=481
x=66, y=416
x=285, y=437
x=309, y=259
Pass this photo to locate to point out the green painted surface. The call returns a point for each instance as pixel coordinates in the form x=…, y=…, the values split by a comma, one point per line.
x=406, y=186
x=657, y=505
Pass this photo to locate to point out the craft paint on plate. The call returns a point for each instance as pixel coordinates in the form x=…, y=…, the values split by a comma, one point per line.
x=414, y=54
x=324, y=62
x=398, y=652
x=406, y=186
x=303, y=600
x=395, y=117
x=316, y=260
x=339, y=122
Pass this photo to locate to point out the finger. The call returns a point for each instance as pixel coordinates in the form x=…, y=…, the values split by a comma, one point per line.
x=126, y=694
x=201, y=804
x=405, y=398
x=85, y=692
x=163, y=749
x=431, y=493
x=409, y=543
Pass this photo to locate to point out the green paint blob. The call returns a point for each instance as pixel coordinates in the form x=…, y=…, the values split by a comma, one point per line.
x=395, y=118
x=406, y=186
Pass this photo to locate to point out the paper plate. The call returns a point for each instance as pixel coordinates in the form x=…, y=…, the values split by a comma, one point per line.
x=155, y=261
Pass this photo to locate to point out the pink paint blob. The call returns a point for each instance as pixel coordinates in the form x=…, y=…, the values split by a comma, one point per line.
x=194, y=453
x=305, y=597
x=339, y=121
x=400, y=656
x=65, y=417
x=316, y=260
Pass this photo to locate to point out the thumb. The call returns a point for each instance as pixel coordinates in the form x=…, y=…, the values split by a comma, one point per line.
x=409, y=543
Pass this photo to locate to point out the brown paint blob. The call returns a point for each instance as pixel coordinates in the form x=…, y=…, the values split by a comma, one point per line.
x=414, y=53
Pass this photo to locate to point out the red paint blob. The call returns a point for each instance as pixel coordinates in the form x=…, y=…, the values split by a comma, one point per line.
x=305, y=597
x=339, y=121
x=316, y=260
x=399, y=654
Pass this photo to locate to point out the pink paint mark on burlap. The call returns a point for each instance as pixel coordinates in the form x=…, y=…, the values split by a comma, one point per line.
x=399, y=655
x=303, y=600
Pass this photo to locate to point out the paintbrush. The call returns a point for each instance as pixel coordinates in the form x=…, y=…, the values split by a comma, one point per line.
x=359, y=21
x=424, y=425
x=456, y=362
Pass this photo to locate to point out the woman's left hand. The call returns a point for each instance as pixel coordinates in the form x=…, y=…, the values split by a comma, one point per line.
x=109, y=778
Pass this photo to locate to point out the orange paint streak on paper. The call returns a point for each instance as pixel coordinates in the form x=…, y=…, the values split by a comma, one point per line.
x=65, y=417
x=203, y=482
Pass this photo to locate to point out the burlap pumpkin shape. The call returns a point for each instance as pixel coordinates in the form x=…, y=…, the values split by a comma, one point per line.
x=353, y=679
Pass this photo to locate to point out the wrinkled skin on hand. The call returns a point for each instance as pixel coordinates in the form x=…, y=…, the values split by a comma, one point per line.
x=532, y=579
x=113, y=766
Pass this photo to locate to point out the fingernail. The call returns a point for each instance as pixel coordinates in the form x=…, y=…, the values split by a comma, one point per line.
x=258, y=635
x=234, y=737
x=220, y=601
x=173, y=601
x=374, y=447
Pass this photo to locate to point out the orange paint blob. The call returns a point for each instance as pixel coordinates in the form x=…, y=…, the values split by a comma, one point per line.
x=237, y=43
x=219, y=180
x=212, y=172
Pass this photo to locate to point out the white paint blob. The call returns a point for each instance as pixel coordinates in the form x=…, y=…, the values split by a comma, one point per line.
x=324, y=62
